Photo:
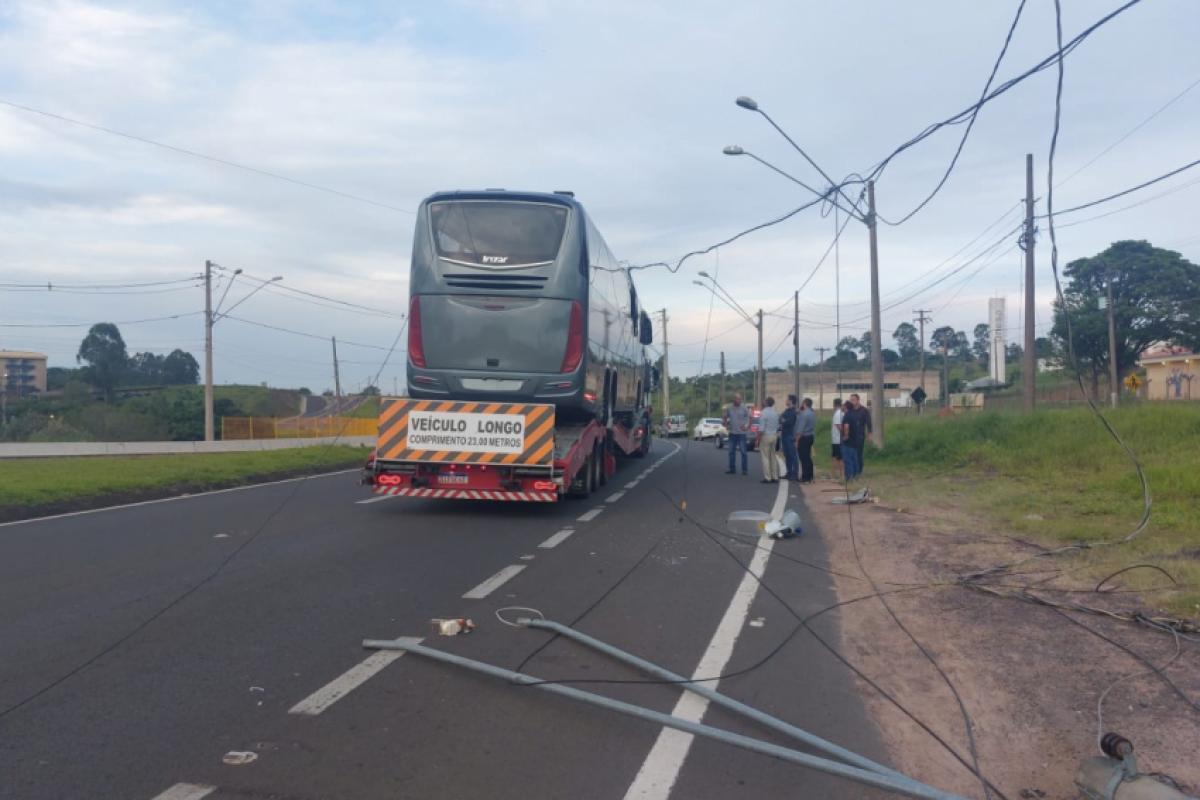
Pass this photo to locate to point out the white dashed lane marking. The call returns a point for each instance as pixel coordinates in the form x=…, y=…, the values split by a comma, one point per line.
x=630, y=485
x=557, y=539
x=186, y=791
x=590, y=515
x=345, y=683
x=377, y=498
x=495, y=582
x=612, y=498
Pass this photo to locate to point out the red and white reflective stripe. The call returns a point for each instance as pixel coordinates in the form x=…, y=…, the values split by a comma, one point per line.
x=467, y=494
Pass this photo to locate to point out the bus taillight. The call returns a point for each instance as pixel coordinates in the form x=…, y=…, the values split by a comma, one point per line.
x=574, y=352
x=416, y=347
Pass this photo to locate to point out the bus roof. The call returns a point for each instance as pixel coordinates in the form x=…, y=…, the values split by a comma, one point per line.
x=504, y=194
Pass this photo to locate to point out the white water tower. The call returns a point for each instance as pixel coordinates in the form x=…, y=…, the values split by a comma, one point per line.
x=996, y=328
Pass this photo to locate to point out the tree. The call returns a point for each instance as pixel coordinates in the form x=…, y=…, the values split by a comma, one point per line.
x=1156, y=298
x=943, y=339
x=962, y=345
x=848, y=344
x=863, y=346
x=144, y=369
x=371, y=391
x=180, y=368
x=981, y=347
x=1013, y=352
x=103, y=350
x=906, y=339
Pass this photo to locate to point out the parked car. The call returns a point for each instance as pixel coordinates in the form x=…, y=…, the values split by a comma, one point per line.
x=675, y=425
x=709, y=427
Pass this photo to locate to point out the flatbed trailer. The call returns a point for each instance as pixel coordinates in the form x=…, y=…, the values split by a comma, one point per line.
x=496, y=451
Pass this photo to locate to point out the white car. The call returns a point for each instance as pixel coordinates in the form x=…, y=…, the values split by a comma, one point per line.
x=709, y=427
x=675, y=425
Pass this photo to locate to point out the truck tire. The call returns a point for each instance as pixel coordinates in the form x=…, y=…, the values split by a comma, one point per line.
x=601, y=461
x=584, y=483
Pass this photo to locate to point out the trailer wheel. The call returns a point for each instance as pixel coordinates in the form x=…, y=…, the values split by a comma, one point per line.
x=594, y=470
x=599, y=455
x=584, y=482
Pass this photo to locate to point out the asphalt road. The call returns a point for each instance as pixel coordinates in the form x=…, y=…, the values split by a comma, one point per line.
x=111, y=696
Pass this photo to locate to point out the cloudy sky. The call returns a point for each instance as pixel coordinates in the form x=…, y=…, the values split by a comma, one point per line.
x=627, y=104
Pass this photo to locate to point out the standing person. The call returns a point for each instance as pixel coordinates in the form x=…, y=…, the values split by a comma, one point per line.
x=835, y=436
x=768, y=432
x=807, y=429
x=787, y=433
x=856, y=422
x=737, y=421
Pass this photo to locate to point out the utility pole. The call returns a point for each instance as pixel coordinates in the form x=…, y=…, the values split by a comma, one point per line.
x=208, y=353
x=945, y=376
x=821, y=377
x=724, y=397
x=876, y=336
x=796, y=343
x=337, y=378
x=760, y=385
x=1113, y=387
x=922, y=318
x=666, y=372
x=1029, y=357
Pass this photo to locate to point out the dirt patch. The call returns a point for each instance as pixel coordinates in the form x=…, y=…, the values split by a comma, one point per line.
x=1029, y=678
x=15, y=513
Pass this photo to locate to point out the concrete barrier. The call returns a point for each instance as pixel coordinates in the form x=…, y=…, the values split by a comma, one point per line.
x=61, y=449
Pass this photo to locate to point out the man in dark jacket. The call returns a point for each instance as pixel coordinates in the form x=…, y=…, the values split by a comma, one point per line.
x=787, y=434
x=856, y=424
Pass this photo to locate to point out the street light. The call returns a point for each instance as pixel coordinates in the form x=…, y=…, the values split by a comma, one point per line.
x=869, y=220
x=757, y=325
x=736, y=150
x=218, y=315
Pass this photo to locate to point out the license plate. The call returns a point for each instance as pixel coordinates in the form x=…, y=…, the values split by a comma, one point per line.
x=452, y=478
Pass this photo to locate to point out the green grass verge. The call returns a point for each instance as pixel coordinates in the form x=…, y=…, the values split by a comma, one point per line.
x=29, y=484
x=1058, y=477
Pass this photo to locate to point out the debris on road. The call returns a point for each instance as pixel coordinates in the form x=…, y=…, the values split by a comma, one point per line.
x=863, y=495
x=453, y=627
x=237, y=758
x=757, y=622
x=785, y=527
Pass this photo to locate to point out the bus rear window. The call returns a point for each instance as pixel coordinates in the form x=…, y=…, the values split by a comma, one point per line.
x=497, y=234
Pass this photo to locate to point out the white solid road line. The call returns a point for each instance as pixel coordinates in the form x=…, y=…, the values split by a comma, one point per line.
x=557, y=539
x=347, y=682
x=186, y=791
x=173, y=499
x=661, y=768
x=495, y=582
x=614, y=497
x=590, y=515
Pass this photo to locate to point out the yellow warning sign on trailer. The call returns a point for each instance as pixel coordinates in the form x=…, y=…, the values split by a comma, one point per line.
x=510, y=434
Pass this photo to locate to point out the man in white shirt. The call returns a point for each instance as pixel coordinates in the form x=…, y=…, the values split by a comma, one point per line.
x=768, y=432
x=835, y=436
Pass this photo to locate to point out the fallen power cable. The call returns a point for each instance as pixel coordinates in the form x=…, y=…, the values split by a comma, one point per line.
x=851, y=765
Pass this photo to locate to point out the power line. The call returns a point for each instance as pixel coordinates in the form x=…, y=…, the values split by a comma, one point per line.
x=1130, y=132
x=1124, y=192
x=299, y=333
x=1131, y=206
x=90, y=324
x=52, y=286
x=970, y=125
x=196, y=154
x=279, y=287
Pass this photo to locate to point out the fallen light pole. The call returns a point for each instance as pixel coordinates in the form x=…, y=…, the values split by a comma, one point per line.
x=863, y=770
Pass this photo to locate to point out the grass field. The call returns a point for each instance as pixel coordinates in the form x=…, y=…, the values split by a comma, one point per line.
x=1058, y=477
x=28, y=484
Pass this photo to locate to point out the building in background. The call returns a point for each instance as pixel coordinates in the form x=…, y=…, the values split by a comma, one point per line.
x=997, y=325
x=22, y=374
x=824, y=387
x=1169, y=374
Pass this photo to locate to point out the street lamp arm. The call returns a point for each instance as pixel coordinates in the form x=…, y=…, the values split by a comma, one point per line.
x=824, y=195
x=733, y=305
x=812, y=163
x=256, y=290
x=728, y=298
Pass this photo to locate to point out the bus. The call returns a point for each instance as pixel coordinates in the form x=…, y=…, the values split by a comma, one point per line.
x=516, y=297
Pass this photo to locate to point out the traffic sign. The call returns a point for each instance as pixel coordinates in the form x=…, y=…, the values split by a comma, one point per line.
x=1133, y=383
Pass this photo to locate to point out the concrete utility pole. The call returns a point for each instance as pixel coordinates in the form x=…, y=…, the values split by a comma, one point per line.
x=724, y=397
x=876, y=335
x=1114, y=388
x=337, y=378
x=796, y=343
x=922, y=318
x=666, y=372
x=760, y=386
x=821, y=377
x=208, y=353
x=1029, y=357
